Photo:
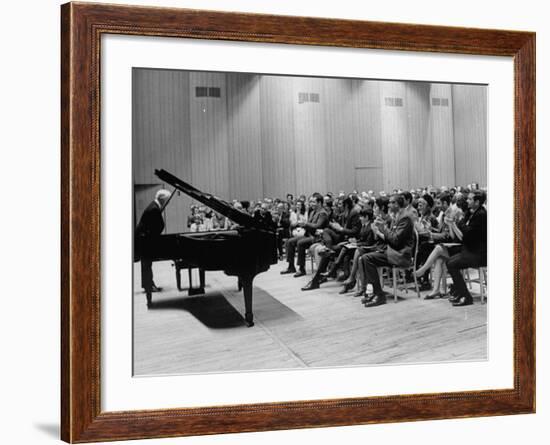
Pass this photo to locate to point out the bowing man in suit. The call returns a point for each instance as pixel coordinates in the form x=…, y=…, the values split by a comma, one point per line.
x=151, y=225
x=474, y=247
x=399, y=239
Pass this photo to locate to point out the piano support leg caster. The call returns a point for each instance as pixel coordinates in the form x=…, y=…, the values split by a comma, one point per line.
x=178, y=278
x=246, y=283
x=196, y=290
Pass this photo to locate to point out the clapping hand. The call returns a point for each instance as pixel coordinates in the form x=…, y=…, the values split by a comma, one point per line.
x=448, y=219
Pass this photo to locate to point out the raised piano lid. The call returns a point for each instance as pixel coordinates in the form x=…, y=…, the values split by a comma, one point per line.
x=216, y=204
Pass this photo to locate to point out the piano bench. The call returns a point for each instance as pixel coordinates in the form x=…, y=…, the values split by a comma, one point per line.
x=179, y=265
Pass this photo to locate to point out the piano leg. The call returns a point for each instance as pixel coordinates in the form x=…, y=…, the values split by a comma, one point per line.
x=178, y=276
x=190, y=275
x=247, y=287
x=201, y=279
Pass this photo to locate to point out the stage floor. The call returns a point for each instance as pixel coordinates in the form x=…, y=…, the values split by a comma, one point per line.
x=183, y=334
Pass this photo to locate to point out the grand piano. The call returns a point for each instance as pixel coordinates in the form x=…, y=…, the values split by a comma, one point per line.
x=244, y=252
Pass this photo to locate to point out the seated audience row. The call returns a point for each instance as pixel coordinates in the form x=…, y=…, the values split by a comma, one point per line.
x=358, y=233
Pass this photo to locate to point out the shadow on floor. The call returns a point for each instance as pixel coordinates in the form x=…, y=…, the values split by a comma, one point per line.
x=212, y=310
x=268, y=309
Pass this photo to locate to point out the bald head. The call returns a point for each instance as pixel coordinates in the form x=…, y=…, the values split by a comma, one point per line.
x=162, y=196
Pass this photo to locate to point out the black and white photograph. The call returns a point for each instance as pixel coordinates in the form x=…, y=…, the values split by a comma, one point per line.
x=287, y=222
x=171, y=165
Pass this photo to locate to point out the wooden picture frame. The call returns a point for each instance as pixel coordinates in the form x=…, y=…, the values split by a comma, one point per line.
x=82, y=26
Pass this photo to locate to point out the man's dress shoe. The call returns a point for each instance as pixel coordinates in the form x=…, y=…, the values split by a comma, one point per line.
x=376, y=301
x=311, y=285
x=300, y=273
x=464, y=301
x=454, y=298
x=367, y=298
x=287, y=271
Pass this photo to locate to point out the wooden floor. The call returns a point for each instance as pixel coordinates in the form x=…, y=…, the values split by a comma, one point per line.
x=294, y=329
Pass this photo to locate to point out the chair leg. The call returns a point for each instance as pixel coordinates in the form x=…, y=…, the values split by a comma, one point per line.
x=416, y=286
x=467, y=274
x=394, y=275
x=482, y=283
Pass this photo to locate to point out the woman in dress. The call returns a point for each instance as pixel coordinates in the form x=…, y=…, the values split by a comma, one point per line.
x=448, y=239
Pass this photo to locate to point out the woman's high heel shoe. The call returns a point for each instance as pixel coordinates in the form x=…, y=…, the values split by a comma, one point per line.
x=348, y=285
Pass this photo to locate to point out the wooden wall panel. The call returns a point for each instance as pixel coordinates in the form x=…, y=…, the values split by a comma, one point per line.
x=419, y=137
x=257, y=140
x=470, y=135
x=336, y=102
x=209, y=142
x=441, y=121
x=161, y=136
x=395, y=134
x=365, y=116
x=277, y=124
x=366, y=134
x=309, y=137
x=368, y=178
x=244, y=136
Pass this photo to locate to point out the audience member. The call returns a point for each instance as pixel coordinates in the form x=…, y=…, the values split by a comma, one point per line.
x=474, y=247
x=333, y=238
x=398, y=250
x=317, y=219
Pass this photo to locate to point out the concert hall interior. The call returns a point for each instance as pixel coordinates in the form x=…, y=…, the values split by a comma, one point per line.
x=350, y=213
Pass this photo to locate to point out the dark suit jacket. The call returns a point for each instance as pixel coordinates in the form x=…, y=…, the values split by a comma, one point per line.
x=352, y=224
x=150, y=226
x=283, y=220
x=317, y=219
x=265, y=218
x=474, y=231
x=151, y=222
x=366, y=236
x=400, y=241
